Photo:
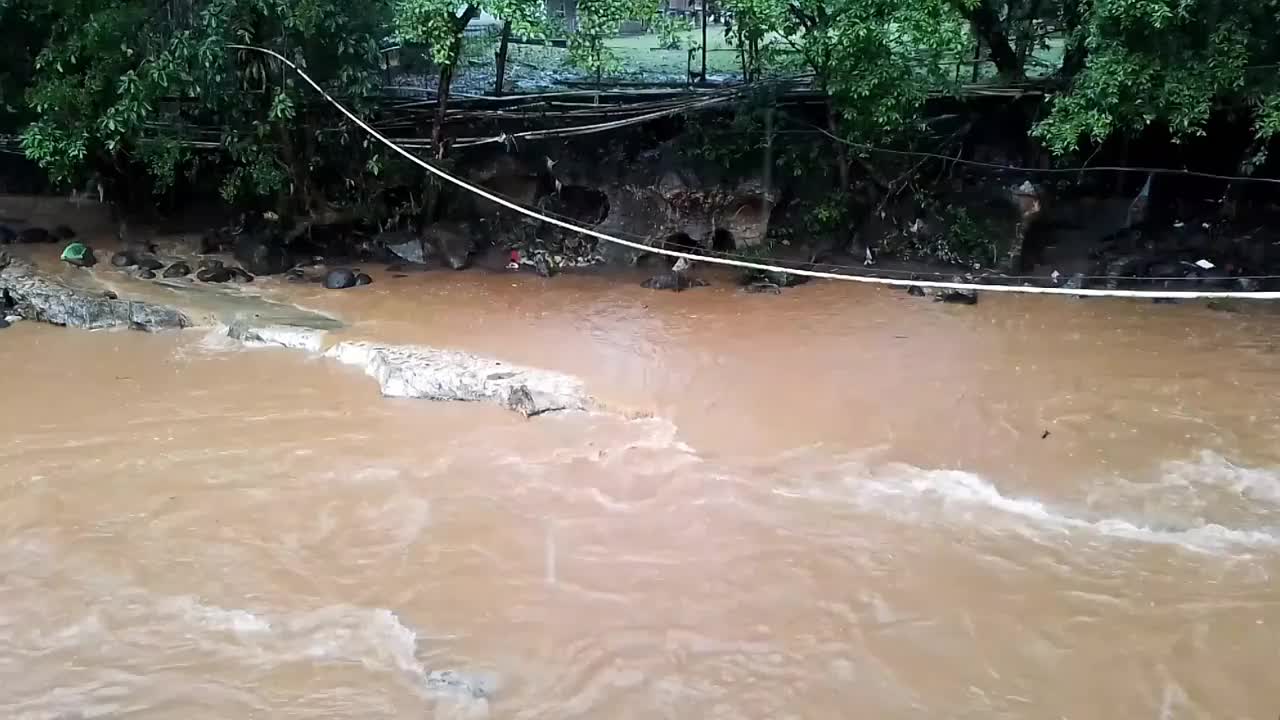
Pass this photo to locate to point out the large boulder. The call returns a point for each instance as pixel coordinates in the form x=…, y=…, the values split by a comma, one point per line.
x=403, y=244
x=340, y=279
x=454, y=242
x=261, y=253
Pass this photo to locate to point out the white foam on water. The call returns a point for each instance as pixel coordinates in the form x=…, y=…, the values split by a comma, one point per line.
x=239, y=622
x=951, y=495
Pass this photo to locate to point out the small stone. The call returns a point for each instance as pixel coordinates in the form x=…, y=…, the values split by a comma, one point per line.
x=108, y=294
x=363, y=279
x=149, y=263
x=64, y=232
x=762, y=286
x=214, y=275
x=123, y=259
x=915, y=291
x=339, y=279
x=240, y=275
x=671, y=281
x=144, y=274
x=4, y=323
x=177, y=270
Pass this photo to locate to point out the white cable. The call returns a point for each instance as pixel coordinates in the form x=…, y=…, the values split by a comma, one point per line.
x=1083, y=292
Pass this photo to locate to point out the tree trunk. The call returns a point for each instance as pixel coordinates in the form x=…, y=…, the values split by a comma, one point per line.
x=842, y=172
x=1075, y=54
x=991, y=31
x=438, y=148
x=704, y=41
x=502, y=59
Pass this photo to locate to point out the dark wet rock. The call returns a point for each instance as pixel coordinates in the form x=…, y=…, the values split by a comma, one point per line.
x=147, y=262
x=123, y=259
x=40, y=298
x=177, y=270
x=456, y=246
x=144, y=274
x=239, y=275
x=339, y=279
x=214, y=275
x=404, y=245
x=762, y=286
x=261, y=254
x=35, y=235
x=215, y=241
x=671, y=280
x=63, y=232
x=5, y=324
x=7, y=235
x=363, y=279
x=295, y=275
x=1166, y=269
x=956, y=296
x=915, y=291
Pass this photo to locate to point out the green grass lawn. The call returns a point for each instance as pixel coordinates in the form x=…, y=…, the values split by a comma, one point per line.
x=640, y=57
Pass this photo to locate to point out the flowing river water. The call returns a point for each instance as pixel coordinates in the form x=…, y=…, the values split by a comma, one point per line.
x=838, y=502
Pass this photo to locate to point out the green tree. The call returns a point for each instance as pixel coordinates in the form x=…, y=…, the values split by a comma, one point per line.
x=131, y=81
x=598, y=21
x=1168, y=62
x=876, y=61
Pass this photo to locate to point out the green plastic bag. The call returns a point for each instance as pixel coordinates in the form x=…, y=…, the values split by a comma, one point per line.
x=78, y=254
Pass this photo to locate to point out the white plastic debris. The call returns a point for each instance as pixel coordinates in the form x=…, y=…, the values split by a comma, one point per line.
x=513, y=266
x=1205, y=264
x=1205, y=225
x=1179, y=224
x=1055, y=275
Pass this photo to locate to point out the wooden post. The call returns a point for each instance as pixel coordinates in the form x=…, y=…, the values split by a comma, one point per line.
x=502, y=59
x=704, y=42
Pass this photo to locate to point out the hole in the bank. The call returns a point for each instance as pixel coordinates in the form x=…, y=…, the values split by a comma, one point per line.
x=582, y=204
x=680, y=241
x=722, y=241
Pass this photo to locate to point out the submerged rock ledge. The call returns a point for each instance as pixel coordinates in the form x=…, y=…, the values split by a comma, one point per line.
x=421, y=372
x=434, y=374
x=34, y=296
x=401, y=371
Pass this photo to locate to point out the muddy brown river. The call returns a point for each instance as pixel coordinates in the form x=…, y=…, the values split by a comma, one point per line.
x=839, y=502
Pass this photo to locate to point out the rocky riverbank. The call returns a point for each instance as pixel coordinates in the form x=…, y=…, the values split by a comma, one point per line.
x=407, y=372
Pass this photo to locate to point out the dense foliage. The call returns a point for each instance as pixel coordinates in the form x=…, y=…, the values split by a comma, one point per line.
x=92, y=86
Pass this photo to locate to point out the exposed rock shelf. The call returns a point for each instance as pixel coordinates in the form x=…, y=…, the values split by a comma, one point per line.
x=37, y=297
